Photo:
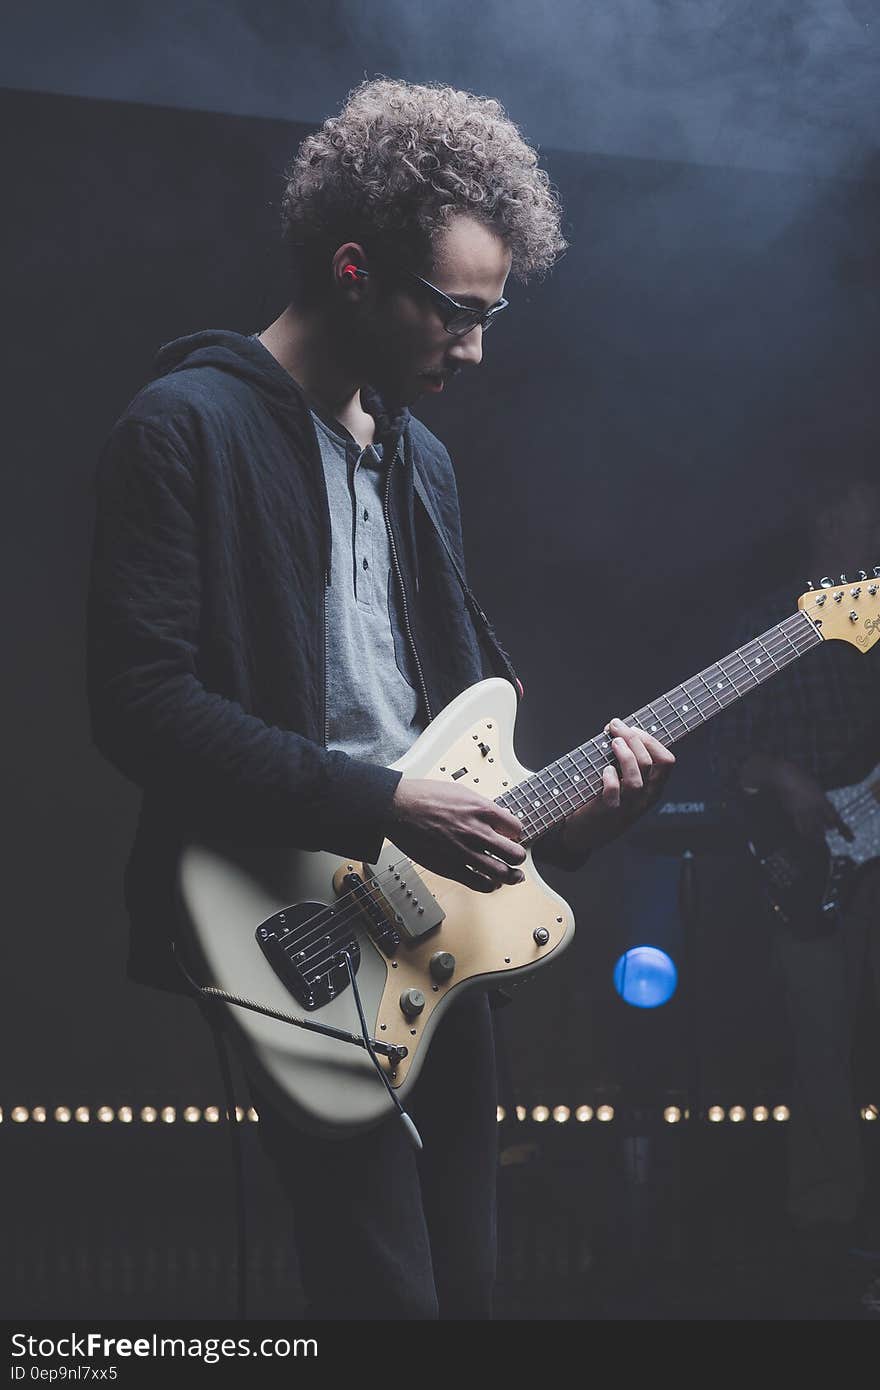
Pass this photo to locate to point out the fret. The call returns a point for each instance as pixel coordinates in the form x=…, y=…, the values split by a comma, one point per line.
x=795, y=650
x=566, y=789
x=724, y=685
x=747, y=671
x=578, y=774
x=658, y=721
x=696, y=694
x=709, y=690
x=685, y=709
x=554, y=791
x=768, y=653
x=673, y=713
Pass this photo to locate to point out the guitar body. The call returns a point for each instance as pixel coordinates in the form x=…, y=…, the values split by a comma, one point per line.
x=227, y=898
x=806, y=881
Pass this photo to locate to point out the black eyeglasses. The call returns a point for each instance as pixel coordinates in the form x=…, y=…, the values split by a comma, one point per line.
x=458, y=319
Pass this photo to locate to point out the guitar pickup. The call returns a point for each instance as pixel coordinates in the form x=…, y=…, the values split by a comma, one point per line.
x=411, y=906
x=462, y=771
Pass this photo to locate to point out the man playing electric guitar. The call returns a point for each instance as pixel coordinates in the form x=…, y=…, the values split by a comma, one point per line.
x=279, y=609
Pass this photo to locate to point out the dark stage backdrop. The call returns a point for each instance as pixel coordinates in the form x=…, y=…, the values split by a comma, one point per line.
x=628, y=458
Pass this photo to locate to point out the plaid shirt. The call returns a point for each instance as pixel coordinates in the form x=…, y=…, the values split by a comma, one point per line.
x=822, y=712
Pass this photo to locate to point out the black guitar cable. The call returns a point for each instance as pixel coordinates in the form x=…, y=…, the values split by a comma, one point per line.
x=407, y=1123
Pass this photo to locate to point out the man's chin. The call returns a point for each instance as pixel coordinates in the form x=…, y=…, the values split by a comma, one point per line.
x=411, y=391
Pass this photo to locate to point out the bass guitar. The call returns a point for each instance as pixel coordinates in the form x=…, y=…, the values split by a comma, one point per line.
x=806, y=880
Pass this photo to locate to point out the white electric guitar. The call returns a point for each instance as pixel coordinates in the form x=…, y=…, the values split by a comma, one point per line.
x=333, y=975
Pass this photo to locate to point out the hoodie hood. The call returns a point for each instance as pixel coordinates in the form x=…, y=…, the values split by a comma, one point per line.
x=247, y=359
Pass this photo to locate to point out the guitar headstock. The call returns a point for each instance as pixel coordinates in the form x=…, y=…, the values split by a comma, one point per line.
x=847, y=609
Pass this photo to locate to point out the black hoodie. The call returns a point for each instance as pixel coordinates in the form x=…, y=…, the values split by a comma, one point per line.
x=206, y=618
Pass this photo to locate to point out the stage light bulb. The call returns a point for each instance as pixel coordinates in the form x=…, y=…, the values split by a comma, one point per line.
x=252, y=1115
x=62, y=1114
x=39, y=1114
x=124, y=1113
x=716, y=1113
x=760, y=1113
x=500, y=1114
x=645, y=977
x=737, y=1114
x=561, y=1113
x=149, y=1114
x=81, y=1114
x=169, y=1114
x=212, y=1114
x=781, y=1112
x=19, y=1114
x=540, y=1114
x=105, y=1114
x=605, y=1113
x=584, y=1113
x=191, y=1114
x=672, y=1114
x=870, y=1112
x=521, y=1112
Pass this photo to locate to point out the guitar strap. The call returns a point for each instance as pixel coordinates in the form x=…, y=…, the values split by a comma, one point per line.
x=501, y=662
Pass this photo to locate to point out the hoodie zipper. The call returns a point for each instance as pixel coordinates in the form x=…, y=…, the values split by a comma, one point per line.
x=402, y=590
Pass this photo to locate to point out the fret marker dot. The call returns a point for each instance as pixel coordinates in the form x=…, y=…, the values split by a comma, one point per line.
x=719, y=685
x=537, y=803
x=757, y=661
x=604, y=745
x=653, y=728
x=556, y=791
x=685, y=708
x=577, y=777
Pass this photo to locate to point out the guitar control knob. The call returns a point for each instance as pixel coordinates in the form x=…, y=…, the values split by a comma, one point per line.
x=412, y=1001
x=541, y=936
x=442, y=965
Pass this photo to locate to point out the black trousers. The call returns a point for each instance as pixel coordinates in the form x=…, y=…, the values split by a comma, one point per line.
x=383, y=1232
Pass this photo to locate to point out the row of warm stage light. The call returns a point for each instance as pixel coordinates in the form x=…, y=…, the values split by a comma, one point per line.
x=105, y=1114
x=540, y=1114
x=672, y=1114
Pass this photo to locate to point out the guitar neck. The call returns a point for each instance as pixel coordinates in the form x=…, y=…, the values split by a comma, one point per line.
x=545, y=798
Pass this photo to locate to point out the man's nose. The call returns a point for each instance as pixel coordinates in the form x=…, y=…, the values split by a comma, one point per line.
x=469, y=348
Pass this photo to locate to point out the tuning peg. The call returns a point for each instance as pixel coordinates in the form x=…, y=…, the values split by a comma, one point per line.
x=810, y=585
x=863, y=574
x=826, y=583
x=843, y=579
x=877, y=571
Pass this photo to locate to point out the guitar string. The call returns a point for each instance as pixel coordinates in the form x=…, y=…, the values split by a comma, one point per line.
x=338, y=923
x=864, y=805
x=781, y=642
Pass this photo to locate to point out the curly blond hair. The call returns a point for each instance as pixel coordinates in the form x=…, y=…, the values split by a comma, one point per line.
x=397, y=161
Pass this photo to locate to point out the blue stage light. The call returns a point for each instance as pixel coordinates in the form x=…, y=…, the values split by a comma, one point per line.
x=645, y=977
